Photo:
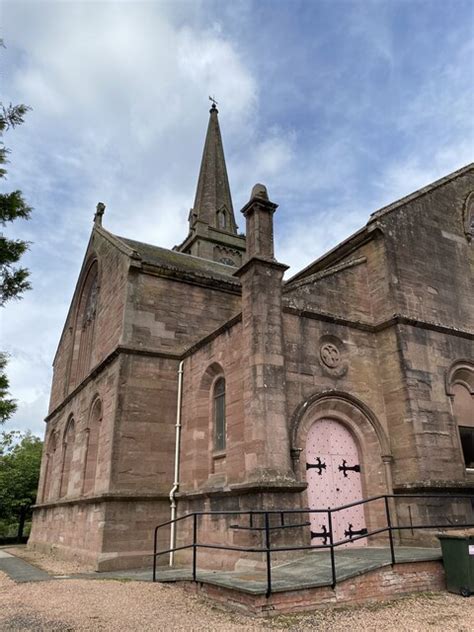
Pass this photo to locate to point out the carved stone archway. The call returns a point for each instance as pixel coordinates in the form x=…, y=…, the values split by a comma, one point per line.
x=357, y=417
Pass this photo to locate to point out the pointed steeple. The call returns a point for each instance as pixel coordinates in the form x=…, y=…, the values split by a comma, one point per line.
x=213, y=202
x=212, y=228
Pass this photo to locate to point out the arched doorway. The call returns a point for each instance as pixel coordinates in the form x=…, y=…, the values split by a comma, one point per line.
x=333, y=473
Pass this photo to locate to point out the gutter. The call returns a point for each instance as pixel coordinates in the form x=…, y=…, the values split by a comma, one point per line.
x=174, y=489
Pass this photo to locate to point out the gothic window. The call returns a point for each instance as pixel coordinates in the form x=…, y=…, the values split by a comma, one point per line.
x=92, y=447
x=219, y=415
x=68, y=446
x=86, y=321
x=469, y=217
x=50, y=454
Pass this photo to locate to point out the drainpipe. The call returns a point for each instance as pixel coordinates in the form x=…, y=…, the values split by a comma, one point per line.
x=175, y=487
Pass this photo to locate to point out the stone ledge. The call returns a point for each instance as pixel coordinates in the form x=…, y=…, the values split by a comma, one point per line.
x=102, y=498
x=247, y=488
x=427, y=487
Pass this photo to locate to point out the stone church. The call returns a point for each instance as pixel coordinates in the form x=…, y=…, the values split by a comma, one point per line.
x=197, y=379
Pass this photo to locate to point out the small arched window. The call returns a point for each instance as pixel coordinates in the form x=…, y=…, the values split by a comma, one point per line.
x=92, y=447
x=68, y=446
x=219, y=415
x=222, y=219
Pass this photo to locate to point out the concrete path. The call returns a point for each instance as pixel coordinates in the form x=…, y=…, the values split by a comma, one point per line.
x=19, y=570
x=310, y=570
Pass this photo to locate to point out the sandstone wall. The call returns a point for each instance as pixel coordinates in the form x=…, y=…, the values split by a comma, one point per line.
x=201, y=466
x=113, y=272
x=430, y=258
x=168, y=315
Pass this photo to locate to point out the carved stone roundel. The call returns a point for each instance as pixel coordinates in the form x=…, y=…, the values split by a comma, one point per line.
x=330, y=355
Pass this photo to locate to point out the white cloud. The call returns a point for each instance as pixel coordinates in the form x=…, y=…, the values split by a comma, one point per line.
x=119, y=91
x=119, y=96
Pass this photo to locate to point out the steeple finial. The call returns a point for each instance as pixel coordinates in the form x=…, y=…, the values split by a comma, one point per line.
x=214, y=105
x=99, y=213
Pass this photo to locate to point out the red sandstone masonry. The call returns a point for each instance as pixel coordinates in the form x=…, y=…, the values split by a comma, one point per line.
x=418, y=263
x=381, y=584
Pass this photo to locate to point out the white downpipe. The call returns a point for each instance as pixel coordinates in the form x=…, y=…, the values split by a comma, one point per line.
x=177, y=451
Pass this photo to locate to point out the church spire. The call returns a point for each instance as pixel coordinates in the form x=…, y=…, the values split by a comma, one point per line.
x=213, y=202
x=212, y=228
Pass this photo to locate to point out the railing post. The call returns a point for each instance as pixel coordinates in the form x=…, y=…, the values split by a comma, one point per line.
x=154, y=554
x=331, y=544
x=195, y=528
x=390, y=534
x=267, y=549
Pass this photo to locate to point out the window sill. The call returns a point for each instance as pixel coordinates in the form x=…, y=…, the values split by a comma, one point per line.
x=222, y=454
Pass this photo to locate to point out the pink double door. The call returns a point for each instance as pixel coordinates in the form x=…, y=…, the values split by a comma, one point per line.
x=334, y=479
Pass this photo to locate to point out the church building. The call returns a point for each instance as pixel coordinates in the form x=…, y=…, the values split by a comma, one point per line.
x=198, y=379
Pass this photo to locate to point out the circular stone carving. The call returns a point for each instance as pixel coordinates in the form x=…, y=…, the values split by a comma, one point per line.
x=330, y=355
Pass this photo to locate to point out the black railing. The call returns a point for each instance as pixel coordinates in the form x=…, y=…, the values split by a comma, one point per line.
x=390, y=527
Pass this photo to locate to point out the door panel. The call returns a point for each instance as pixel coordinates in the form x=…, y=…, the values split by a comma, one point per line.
x=334, y=479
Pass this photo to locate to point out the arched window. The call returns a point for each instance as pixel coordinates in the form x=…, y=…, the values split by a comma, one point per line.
x=460, y=386
x=463, y=404
x=68, y=446
x=469, y=216
x=222, y=219
x=50, y=454
x=92, y=447
x=85, y=322
x=219, y=415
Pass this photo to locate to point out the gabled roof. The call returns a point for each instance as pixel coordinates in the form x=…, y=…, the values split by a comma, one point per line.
x=423, y=191
x=368, y=231
x=180, y=262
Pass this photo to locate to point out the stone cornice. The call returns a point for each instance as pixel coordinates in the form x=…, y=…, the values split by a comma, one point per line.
x=230, y=285
x=396, y=319
x=246, y=488
x=102, y=498
x=255, y=260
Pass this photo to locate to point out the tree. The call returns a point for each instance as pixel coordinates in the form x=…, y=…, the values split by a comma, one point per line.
x=13, y=279
x=7, y=405
x=19, y=475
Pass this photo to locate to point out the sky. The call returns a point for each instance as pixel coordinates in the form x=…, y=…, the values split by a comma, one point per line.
x=339, y=107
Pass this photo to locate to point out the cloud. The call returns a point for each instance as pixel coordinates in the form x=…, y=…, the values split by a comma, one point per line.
x=339, y=108
x=119, y=96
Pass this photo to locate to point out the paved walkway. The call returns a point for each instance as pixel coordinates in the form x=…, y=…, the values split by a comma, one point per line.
x=19, y=570
x=310, y=570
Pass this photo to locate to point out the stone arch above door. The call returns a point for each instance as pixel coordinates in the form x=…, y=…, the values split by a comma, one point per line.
x=369, y=434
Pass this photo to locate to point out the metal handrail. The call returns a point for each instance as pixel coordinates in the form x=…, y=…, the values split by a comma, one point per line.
x=268, y=528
